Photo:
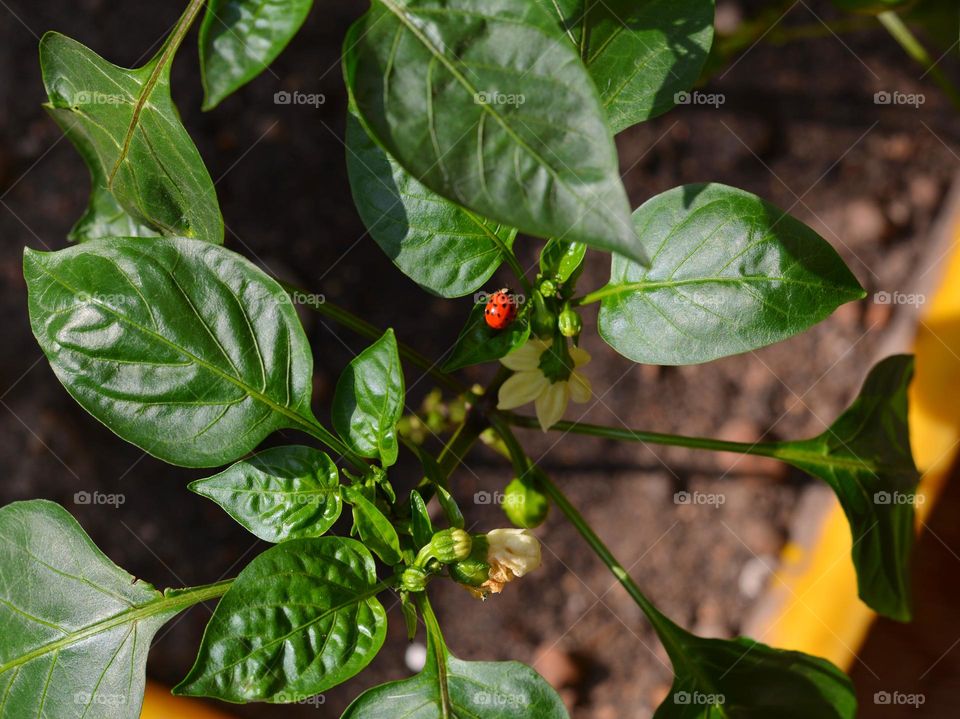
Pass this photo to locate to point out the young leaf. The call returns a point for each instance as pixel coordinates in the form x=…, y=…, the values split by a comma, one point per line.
x=76, y=628
x=240, y=38
x=281, y=493
x=450, y=687
x=442, y=247
x=865, y=457
x=489, y=107
x=640, y=53
x=161, y=183
x=375, y=529
x=729, y=273
x=299, y=619
x=720, y=679
x=420, y=525
x=560, y=260
x=368, y=401
x=478, y=342
x=181, y=347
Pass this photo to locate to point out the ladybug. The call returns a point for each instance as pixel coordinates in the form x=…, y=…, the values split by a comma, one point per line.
x=501, y=309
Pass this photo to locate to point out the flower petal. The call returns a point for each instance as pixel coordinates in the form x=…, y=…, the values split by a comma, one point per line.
x=580, y=356
x=552, y=403
x=521, y=388
x=525, y=357
x=580, y=389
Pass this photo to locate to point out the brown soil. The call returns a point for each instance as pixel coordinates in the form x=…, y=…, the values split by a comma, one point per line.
x=798, y=127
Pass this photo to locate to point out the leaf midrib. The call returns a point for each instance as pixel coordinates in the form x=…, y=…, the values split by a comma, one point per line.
x=138, y=613
x=437, y=54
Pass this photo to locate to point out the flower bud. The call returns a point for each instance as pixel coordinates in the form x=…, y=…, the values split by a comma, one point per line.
x=413, y=579
x=450, y=545
x=548, y=288
x=569, y=322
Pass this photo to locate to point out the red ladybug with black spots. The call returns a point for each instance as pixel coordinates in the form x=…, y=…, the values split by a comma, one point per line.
x=501, y=309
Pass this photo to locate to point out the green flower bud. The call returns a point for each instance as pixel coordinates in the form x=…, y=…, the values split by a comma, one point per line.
x=548, y=288
x=413, y=579
x=450, y=545
x=525, y=505
x=569, y=322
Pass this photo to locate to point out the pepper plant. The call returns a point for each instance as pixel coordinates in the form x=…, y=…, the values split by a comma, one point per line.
x=472, y=126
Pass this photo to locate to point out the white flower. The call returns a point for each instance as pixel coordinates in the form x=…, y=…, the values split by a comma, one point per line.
x=529, y=384
x=511, y=554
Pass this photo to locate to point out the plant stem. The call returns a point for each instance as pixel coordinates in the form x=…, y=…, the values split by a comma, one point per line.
x=763, y=449
x=365, y=329
x=522, y=465
x=915, y=49
x=170, y=47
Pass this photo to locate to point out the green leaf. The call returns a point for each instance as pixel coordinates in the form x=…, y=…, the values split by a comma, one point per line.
x=299, y=619
x=181, y=347
x=420, y=525
x=368, y=401
x=282, y=493
x=640, y=53
x=444, y=248
x=865, y=457
x=478, y=342
x=374, y=528
x=161, y=184
x=487, y=106
x=450, y=687
x=729, y=273
x=725, y=679
x=560, y=260
x=240, y=38
x=76, y=628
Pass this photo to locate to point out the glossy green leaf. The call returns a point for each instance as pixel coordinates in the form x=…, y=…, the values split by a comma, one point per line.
x=281, y=493
x=421, y=527
x=450, y=507
x=451, y=687
x=478, y=342
x=444, y=248
x=729, y=273
x=240, y=38
x=865, y=457
x=640, y=53
x=161, y=182
x=299, y=619
x=486, y=105
x=368, y=401
x=727, y=679
x=74, y=628
x=374, y=528
x=560, y=260
x=182, y=347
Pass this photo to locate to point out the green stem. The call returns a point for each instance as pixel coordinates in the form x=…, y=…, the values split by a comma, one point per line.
x=439, y=648
x=522, y=465
x=372, y=332
x=915, y=49
x=763, y=449
x=312, y=427
x=170, y=48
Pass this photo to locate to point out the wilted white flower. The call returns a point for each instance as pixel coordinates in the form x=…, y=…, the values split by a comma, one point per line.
x=530, y=384
x=499, y=557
